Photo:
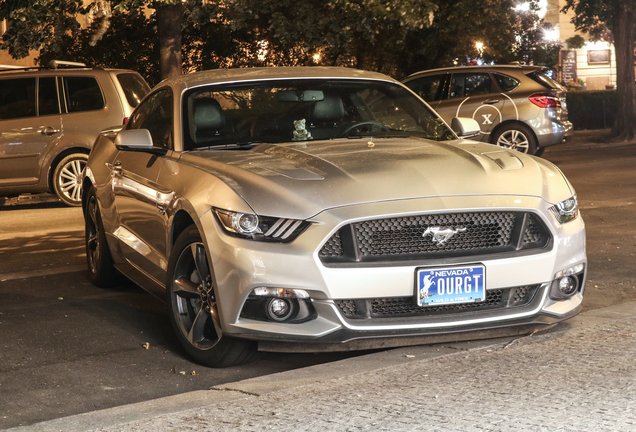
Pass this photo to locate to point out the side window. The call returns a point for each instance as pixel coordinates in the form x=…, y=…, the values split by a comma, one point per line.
x=155, y=114
x=470, y=84
x=506, y=83
x=17, y=98
x=48, y=103
x=429, y=88
x=83, y=94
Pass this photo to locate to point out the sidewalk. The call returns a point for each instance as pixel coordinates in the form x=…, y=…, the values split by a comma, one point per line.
x=580, y=376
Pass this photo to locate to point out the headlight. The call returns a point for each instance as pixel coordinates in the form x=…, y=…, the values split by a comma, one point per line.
x=260, y=228
x=566, y=210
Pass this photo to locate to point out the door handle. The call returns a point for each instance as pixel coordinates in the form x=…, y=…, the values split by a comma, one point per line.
x=490, y=101
x=49, y=131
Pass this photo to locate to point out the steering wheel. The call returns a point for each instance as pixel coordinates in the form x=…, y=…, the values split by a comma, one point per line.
x=369, y=124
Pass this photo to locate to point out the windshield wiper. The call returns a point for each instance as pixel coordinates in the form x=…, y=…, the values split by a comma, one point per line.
x=228, y=146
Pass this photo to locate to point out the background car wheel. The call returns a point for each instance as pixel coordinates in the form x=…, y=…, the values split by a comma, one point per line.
x=516, y=137
x=102, y=273
x=192, y=307
x=67, y=178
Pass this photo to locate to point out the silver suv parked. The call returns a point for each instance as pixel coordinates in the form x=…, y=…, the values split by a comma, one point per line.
x=49, y=119
x=517, y=107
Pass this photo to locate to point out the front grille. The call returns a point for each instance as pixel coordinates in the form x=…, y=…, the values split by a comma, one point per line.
x=435, y=236
x=392, y=307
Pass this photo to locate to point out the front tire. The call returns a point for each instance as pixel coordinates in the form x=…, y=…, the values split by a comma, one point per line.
x=516, y=137
x=67, y=179
x=101, y=269
x=192, y=307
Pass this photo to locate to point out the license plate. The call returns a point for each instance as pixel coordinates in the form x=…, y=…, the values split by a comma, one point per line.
x=450, y=285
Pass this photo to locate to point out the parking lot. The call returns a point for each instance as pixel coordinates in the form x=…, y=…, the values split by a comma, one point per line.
x=68, y=347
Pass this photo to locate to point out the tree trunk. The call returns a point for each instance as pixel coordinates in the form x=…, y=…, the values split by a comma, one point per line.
x=624, y=25
x=169, y=32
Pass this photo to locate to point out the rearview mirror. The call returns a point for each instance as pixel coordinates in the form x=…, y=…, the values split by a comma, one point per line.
x=300, y=96
x=465, y=127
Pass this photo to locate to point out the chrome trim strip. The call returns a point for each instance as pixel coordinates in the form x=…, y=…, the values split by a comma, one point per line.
x=274, y=227
x=283, y=228
x=291, y=230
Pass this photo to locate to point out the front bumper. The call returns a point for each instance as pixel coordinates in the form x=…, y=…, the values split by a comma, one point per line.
x=242, y=265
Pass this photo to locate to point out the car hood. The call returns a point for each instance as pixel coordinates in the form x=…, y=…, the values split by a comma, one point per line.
x=299, y=180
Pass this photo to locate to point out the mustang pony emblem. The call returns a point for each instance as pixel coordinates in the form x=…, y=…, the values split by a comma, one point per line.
x=441, y=235
x=427, y=284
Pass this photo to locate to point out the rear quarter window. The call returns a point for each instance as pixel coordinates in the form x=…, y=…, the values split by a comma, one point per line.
x=506, y=83
x=83, y=94
x=134, y=86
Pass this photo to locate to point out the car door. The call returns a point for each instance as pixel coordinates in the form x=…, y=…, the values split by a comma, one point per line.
x=139, y=200
x=30, y=124
x=473, y=95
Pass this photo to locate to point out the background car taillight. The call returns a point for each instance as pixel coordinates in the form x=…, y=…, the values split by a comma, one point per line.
x=545, y=100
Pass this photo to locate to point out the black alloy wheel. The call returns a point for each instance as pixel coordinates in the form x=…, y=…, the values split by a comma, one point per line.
x=102, y=272
x=193, y=310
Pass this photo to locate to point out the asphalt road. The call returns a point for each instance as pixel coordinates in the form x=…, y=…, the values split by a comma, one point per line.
x=67, y=347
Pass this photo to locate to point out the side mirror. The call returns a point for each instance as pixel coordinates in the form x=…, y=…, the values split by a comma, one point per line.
x=465, y=127
x=136, y=140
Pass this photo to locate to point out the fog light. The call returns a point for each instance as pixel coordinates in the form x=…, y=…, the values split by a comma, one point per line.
x=568, y=285
x=279, y=309
x=564, y=287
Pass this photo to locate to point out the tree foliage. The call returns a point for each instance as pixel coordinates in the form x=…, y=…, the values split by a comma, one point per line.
x=615, y=21
x=38, y=23
x=397, y=37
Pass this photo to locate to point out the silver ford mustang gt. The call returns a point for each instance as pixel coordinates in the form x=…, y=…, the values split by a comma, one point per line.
x=311, y=209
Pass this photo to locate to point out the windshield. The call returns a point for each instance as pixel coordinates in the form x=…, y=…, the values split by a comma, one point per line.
x=305, y=110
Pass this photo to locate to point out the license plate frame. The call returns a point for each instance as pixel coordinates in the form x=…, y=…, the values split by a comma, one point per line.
x=460, y=284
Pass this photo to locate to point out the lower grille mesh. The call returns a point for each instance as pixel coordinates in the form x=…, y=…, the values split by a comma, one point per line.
x=405, y=306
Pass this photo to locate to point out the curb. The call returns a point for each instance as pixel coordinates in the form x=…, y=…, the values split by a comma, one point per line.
x=304, y=377
x=44, y=198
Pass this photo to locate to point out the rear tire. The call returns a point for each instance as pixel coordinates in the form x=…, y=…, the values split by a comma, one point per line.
x=67, y=178
x=192, y=307
x=517, y=137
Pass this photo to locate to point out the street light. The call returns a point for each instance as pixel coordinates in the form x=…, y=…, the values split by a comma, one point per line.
x=480, y=48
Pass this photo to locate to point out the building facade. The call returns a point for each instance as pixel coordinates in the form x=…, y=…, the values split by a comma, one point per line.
x=593, y=65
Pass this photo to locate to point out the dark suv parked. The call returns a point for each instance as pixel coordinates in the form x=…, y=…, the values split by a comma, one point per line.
x=49, y=119
x=517, y=107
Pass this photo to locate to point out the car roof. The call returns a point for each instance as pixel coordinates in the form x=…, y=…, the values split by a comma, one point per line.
x=219, y=76
x=61, y=71
x=500, y=68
